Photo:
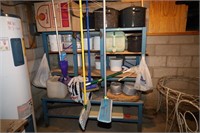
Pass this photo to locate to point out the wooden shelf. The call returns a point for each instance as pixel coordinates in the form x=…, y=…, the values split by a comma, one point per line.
x=70, y=51
x=12, y=125
x=94, y=72
x=174, y=33
x=58, y=70
x=92, y=51
x=123, y=53
x=109, y=72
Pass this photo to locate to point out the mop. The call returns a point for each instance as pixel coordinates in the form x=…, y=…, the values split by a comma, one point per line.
x=105, y=112
x=91, y=87
x=62, y=55
x=87, y=105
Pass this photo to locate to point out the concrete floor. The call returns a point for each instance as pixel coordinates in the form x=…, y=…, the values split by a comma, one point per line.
x=151, y=123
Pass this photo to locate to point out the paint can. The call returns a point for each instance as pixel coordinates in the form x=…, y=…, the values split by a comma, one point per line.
x=86, y=44
x=96, y=42
x=116, y=88
x=116, y=64
x=128, y=89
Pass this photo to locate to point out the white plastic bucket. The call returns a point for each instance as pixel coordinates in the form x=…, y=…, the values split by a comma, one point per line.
x=98, y=65
x=78, y=45
x=79, y=60
x=56, y=89
x=86, y=44
x=116, y=64
x=96, y=42
x=67, y=38
x=53, y=42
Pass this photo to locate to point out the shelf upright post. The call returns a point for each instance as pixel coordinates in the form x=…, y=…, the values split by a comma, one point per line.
x=143, y=41
x=74, y=48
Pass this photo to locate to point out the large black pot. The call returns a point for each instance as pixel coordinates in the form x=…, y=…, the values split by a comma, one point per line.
x=112, y=17
x=134, y=42
x=133, y=17
x=91, y=21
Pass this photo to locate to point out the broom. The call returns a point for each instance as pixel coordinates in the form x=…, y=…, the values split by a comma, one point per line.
x=87, y=105
x=92, y=87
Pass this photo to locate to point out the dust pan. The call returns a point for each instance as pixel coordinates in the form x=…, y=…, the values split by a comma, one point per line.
x=84, y=115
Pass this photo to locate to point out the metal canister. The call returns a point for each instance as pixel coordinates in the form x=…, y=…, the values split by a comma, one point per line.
x=112, y=16
x=134, y=42
x=116, y=88
x=133, y=17
x=128, y=89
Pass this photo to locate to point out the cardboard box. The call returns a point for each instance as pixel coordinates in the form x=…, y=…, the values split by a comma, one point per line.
x=65, y=21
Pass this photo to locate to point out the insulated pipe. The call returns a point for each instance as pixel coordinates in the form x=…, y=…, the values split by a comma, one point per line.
x=142, y=3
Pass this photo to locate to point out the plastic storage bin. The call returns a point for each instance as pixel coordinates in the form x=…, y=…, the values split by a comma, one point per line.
x=115, y=41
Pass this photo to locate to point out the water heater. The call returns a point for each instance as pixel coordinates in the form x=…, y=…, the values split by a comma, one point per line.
x=15, y=89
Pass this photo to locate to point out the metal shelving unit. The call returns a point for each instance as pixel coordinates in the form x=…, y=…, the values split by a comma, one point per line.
x=139, y=104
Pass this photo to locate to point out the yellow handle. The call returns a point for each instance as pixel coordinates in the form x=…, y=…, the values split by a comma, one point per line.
x=82, y=53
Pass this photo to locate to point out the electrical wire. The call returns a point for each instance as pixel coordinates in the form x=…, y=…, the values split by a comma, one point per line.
x=175, y=97
x=32, y=43
x=181, y=117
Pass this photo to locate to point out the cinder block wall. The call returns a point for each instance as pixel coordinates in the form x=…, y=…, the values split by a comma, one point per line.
x=171, y=55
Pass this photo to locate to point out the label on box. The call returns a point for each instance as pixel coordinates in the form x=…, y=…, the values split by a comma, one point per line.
x=4, y=44
x=45, y=16
x=25, y=109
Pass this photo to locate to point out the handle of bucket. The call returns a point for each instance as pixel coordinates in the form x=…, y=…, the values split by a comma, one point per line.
x=113, y=43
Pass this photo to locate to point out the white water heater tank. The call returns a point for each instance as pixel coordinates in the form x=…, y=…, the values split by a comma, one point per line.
x=15, y=89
